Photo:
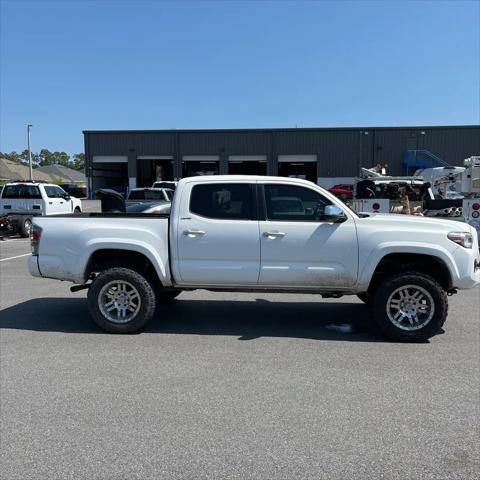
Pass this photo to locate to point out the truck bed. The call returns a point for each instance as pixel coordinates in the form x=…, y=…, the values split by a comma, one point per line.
x=67, y=241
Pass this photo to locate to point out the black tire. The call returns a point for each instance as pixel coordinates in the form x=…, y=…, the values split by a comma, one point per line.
x=365, y=297
x=421, y=332
x=165, y=297
x=77, y=211
x=25, y=227
x=139, y=283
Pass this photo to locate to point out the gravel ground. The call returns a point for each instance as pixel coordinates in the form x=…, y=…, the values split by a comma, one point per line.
x=238, y=386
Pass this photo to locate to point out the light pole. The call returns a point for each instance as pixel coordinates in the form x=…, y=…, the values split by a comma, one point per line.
x=29, y=152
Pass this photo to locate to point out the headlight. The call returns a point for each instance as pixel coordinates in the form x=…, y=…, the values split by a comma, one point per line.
x=462, y=238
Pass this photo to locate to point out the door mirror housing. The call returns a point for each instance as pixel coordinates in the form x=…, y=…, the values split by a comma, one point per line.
x=66, y=196
x=334, y=214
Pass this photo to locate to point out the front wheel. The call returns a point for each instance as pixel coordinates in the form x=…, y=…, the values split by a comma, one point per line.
x=410, y=307
x=121, y=300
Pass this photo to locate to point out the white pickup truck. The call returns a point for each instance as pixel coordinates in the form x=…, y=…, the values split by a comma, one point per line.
x=21, y=201
x=260, y=234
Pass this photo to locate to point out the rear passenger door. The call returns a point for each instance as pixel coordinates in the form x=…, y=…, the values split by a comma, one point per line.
x=218, y=240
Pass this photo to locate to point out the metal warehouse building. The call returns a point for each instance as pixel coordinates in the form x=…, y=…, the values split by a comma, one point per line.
x=121, y=159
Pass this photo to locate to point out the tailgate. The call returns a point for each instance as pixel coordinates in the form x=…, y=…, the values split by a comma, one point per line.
x=22, y=205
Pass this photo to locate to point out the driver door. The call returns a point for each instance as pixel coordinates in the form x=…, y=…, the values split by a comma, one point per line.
x=301, y=249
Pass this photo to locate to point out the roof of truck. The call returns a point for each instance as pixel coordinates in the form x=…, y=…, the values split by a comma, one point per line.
x=30, y=182
x=245, y=178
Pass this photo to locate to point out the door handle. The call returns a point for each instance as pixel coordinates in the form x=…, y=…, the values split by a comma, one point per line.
x=193, y=232
x=274, y=234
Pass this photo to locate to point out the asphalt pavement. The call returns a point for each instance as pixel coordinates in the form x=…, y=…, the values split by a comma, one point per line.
x=238, y=386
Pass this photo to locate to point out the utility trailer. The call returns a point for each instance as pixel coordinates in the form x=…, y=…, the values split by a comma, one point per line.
x=443, y=192
x=471, y=191
x=378, y=193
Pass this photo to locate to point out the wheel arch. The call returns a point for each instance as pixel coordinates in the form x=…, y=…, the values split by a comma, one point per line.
x=136, y=259
x=428, y=264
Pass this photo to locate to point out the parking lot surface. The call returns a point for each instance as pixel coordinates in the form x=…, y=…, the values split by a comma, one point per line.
x=234, y=386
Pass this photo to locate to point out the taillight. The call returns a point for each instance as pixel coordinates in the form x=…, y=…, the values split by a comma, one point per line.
x=476, y=206
x=35, y=234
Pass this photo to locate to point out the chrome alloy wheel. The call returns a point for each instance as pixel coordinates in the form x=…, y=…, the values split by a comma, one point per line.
x=28, y=226
x=410, y=307
x=119, y=301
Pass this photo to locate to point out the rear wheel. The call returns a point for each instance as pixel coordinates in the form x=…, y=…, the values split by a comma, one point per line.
x=25, y=227
x=77, y=211
x=410, y=306
x=121, y=300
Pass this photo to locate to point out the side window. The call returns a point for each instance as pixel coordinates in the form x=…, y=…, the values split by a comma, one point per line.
x=60, y=192
x=54, y=192
x=50, y=192
x=222, y=201
x=294, y=204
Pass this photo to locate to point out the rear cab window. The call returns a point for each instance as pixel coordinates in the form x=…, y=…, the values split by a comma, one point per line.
x=222, y=201
x=22, y=191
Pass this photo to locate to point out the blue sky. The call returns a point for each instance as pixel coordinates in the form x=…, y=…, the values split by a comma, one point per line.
x=70, y=66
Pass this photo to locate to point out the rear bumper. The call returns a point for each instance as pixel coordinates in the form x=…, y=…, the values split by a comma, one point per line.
x=32, y=263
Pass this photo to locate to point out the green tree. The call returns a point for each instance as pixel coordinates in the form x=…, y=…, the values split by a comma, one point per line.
x=13, y=156
x=79, y=161
x=61, y=158
x=46, y=157
x=23, y=158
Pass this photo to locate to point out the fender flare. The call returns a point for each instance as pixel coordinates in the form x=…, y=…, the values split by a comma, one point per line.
x=414, y=248
x=160, y=265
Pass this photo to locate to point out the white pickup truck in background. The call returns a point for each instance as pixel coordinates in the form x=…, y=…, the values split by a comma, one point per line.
x=21, y=201
x=263, y=234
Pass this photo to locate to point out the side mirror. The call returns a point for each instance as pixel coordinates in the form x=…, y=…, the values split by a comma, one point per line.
x=66, y=196
x=334, y=214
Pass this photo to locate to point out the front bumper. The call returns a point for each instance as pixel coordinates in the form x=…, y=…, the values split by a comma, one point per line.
x=32, y=263
x=468, y=264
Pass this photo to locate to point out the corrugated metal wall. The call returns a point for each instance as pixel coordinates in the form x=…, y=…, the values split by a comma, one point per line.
x=340, y=152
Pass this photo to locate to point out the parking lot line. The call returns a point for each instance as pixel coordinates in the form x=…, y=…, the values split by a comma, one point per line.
x=16, y=256
x=6, y=240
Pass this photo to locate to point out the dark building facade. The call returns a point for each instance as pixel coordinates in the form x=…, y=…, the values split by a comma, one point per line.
x=120, y=159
